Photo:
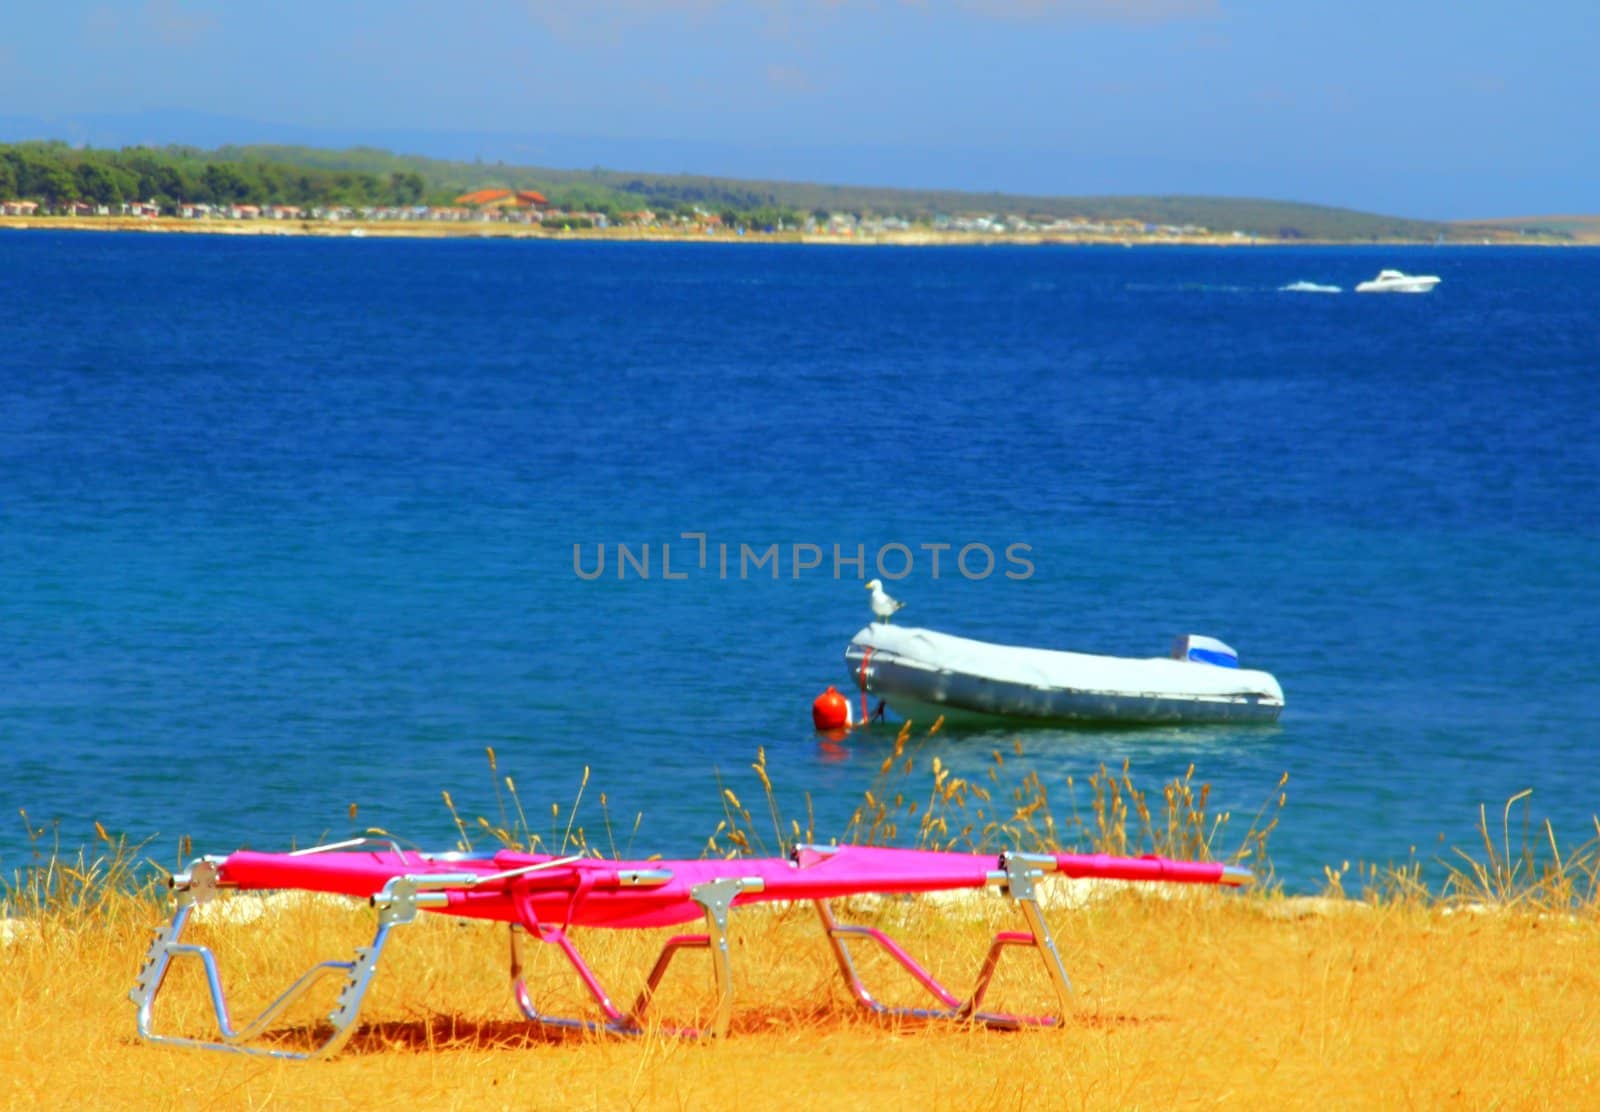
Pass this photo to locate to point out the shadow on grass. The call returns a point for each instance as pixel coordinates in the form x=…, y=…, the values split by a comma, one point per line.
x=461, y=1033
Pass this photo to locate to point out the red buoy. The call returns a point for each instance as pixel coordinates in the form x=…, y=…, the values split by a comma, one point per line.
x=830, y=711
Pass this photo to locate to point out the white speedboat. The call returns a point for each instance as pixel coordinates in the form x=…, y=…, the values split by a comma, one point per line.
x=922, y=674
x=1394, y=281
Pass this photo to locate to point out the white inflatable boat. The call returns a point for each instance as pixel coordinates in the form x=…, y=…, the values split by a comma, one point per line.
x=922, y=674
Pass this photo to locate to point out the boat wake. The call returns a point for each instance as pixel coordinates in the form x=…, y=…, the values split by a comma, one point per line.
x=1185, y=287
x=1308, y=287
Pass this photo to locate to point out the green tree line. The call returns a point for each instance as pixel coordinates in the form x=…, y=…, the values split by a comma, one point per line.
x=53, y=172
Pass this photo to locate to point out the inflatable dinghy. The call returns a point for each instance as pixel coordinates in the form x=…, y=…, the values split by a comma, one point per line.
x=922, y=675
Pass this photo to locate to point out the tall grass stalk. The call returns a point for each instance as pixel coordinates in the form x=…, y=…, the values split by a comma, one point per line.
x=925, y=804
x=1535, y=874
x=80, y=889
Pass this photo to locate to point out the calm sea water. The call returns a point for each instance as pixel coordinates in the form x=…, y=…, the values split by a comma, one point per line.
x=288, y=525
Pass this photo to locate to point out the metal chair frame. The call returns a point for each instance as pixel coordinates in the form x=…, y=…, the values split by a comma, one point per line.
x=403, y=897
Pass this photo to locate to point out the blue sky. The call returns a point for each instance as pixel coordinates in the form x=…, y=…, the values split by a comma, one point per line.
x=1420, y=108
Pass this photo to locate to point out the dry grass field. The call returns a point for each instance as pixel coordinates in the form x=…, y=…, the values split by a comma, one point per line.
x=1484, y=995
x=1214, y=1000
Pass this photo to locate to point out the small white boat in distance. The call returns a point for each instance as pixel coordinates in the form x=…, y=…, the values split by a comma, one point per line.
x=923, y=675
x=1393, y=281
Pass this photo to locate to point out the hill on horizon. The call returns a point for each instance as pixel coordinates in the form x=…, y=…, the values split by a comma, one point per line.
x=1574, y=227
x=622, y=190
x=1250, y=215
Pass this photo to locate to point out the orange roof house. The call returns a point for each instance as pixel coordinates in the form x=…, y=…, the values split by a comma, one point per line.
x=484, y=197
x=503, y=198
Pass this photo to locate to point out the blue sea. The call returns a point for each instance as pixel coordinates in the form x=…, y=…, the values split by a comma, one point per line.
x=293, y=525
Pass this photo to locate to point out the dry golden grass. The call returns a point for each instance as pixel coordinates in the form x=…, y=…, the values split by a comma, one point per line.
x=1215, y=999
x=1484, y=994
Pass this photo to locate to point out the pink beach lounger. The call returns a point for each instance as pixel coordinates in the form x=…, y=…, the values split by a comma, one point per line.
x=547, y=896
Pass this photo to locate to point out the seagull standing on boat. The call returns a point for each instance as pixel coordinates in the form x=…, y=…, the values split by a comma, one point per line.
x=883, y=607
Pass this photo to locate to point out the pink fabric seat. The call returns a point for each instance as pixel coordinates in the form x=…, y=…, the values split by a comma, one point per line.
x=593, y=893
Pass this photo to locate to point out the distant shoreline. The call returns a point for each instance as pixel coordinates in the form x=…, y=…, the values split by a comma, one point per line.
x=386, y=229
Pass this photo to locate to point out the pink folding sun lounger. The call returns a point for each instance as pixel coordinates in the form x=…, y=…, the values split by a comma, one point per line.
x=547, y=896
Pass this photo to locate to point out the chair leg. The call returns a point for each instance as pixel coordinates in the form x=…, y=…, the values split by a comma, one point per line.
x=199, y=884
x=615, y=1022
x=1048, y=954
x=838, y=934
x=1018, y=880
x=642, y=1002
x=1021, y=886
x=715, y=899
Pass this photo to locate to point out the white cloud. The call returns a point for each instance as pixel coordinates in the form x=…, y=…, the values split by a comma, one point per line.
x=101, y=27
x=1208, y=40
x=789, y=79
x=1114, y=11
x=608, y=20
x=175, y=24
